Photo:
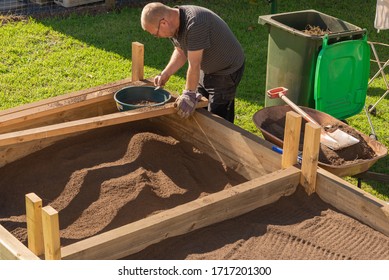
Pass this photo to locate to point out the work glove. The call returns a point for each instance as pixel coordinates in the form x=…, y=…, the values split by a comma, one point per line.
x=186, y=103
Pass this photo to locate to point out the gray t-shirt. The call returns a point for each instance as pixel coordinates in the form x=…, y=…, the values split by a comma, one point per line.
x=201, y=28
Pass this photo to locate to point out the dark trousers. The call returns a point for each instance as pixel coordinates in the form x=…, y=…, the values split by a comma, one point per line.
x=220, y=90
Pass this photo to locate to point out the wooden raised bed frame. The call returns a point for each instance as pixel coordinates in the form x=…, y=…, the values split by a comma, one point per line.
x=29, y=128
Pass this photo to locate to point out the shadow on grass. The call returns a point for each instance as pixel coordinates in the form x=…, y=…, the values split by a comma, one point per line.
x=115, y=31
x=376, y=91
x=379, y=187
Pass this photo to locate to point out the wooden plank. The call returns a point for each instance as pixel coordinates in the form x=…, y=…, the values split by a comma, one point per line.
x=291, y=139
x=53, y=117
x=185, y=218
x=10, y=153
x=50, y=224
x=50, y=109
x=69, y=98
x=310, y=157
x=137, y=65
x=234, y=147
x=63, y=108
x=87, y=124
x=253, y=155
x=353, y=201
x=34, y=223
x=12, y=249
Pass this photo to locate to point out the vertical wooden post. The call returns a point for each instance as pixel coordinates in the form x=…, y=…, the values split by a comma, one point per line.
x=34, y=223
x=51, y=237
x=137, y=61
x=291, y=139
x=310, y=157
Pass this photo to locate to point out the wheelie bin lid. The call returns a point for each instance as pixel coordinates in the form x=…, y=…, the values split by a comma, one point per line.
x=341, y=77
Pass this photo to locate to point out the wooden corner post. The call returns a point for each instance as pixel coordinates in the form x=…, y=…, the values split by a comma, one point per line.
x=137, y=61
x=51, y=237
x=310, y=157
x=291, y=139
x=34, y=223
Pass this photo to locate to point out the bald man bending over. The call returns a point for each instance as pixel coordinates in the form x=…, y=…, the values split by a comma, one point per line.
x=214, y=55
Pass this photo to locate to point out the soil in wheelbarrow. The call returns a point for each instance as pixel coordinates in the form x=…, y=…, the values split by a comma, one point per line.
x=349, y=155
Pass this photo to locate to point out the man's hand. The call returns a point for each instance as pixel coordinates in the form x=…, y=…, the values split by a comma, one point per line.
x=160, y=80
x=186, y=103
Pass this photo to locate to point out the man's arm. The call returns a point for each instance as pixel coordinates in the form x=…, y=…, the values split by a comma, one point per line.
x=186, y=103
x=193, y=73
x=177, y=60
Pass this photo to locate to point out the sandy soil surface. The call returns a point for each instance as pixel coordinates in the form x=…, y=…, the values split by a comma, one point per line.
x=117, y=175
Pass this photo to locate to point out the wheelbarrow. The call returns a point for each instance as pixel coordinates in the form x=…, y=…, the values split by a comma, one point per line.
x=271, y=122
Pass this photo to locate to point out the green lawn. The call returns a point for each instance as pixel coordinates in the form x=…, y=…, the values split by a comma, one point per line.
x=49, y=57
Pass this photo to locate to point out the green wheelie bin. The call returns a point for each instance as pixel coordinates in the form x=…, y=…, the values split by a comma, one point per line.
x=293, y=52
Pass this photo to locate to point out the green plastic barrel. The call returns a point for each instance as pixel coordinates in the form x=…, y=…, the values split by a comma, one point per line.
x=292, y=53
